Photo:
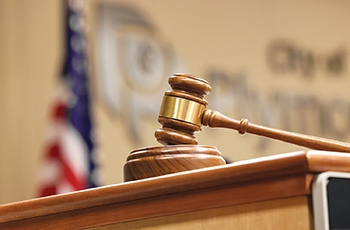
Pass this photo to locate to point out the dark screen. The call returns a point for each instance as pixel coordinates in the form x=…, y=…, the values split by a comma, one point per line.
x=338, y=194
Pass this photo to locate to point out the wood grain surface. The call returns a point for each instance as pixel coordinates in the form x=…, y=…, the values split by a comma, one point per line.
x=162, y=160
x=287, y=214
x=266, y=178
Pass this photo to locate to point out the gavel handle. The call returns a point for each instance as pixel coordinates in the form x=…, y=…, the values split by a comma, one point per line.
x=217, y=120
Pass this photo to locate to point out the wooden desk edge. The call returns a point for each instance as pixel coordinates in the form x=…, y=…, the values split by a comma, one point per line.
x=249, y=171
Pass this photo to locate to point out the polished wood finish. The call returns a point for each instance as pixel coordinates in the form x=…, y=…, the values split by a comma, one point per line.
x=162, y=160
x=194, y=88
x=261, y=179
x=176, y=131
x=156, y=161
x=287, y=214
x=217, y=120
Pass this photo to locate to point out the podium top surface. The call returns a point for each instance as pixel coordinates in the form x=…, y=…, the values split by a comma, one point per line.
x=265, y=178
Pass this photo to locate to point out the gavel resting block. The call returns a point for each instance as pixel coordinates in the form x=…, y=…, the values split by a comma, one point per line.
x=264, y=193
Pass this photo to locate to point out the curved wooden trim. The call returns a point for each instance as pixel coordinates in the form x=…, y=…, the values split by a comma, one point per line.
x=160, y=206
x=248, y=171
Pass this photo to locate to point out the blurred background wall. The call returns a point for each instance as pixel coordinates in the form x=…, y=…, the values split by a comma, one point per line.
x=30, y=40
x=280, y=64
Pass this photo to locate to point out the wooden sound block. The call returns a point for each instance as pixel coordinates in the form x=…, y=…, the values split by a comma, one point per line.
x=162, y=160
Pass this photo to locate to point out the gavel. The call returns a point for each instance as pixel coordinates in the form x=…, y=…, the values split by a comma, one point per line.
x=183, y=112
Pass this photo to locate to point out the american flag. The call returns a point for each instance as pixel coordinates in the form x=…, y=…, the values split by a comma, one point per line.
x=68, y=161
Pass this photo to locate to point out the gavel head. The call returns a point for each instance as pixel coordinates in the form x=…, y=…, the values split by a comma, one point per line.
x=182, y=110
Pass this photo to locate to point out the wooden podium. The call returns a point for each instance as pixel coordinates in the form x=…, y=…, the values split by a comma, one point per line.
x=264, y=193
